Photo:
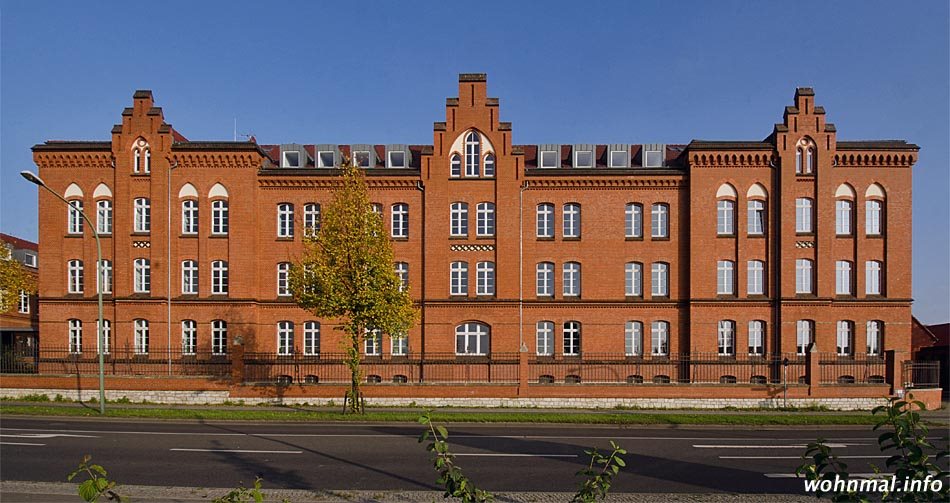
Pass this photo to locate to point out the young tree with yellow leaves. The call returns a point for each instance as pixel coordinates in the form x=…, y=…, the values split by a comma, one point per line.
x=14, y=278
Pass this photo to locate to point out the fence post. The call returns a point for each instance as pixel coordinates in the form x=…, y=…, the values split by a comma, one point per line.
x=237, y=361
x=812, y=369
x=892, y=374
x=523, y=373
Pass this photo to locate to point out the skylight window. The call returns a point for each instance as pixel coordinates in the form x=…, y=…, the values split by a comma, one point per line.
x=583, y=159
x=549, y=159
x=326, y=159
x=291, y=159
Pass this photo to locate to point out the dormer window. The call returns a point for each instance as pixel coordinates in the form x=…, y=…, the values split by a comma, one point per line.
x=291, y=160
x=29, y=260
x=653, y=156
x=618, y=159
x=583, y=159
x=361, y=157
x=397, y=159
x=326, y=159
x=549, y=159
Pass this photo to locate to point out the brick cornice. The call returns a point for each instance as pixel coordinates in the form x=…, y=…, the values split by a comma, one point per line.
x=605, y=183
x=326, y=183
x=218, y=160
x=73, y=159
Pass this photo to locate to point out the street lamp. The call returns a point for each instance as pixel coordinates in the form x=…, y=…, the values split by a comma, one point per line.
x=32, y=178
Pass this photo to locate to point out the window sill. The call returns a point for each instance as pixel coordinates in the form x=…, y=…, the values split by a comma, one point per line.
x=71, y=235
x=804, y=234
x=729, y=236
x=874, y=236
x=486, y=237
x=726, y=296
x=633, y=298
x=659, y=238
x=805, y=175
x=844, y=236
x=875, y=296
x=545, y=238
x=188, y=236
x=456, y=238
x=400, y=238
x=571, y=238
x=805, y=296
x=218, y=296
x=633, y=238
x=142, y=175
x=757, y=296
x=284, y=238
x=218, y=236
x=844, y=296
x=756, y=236
x=660, y=297
x=140, y=234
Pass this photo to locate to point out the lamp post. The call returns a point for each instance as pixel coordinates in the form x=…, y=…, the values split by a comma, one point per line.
x=32, y=178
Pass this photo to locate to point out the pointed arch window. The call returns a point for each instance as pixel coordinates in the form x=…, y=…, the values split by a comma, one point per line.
x=472, y=154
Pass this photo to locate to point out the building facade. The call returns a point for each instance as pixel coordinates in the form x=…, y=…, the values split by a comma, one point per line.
x=715, y=249
x=18, y=326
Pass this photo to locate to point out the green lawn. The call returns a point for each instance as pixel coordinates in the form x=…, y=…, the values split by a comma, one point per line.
x=449, y=416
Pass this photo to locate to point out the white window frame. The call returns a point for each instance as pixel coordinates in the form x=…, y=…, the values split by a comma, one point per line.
x=473, y=149
x=320, y=161
x=545, y=220
x=23, y=306
x=399, y=345
x=843, y=217
x=472, y=339
x=804, y=276
x=804, y=220
x=633, y=221
x=755, y=277
x=544, y=338
x=875, y=337
x=285, y=338
x=652, y=163
x=843, y=278
x=660, y=221
x=660, y=338
x=809, y=160
x=219, y=337
x=285, y=220
x=727, y=338
x=148, y=161
x=660, y=279
x=389, y=159
x=142, y=268
x=610, y=159
x=189, y=217
x=756, y=338
x=485, y=278
x=633, y=279
x=189, y=277
x=873, y=276
x=485, y=219
x=571, y=279
x=756, y=217
x=633, y=338
x=577, y=162
x=137, y=160
x=74, y=214
x=458, y=278
x=458, y=219
x=29, y=259
x=400, y=220
x=798, y=161
x=725, y=217
x=844, y=345
x=804, y=330
x=545, y=279
x=106, y=336
x=219, y=217
x=189, y=337
x=571, y=338
x=143, y=215
x=311, y=218
x=402, y=272
x=104, y=276
x=141, y=336
x=219, y=277
x=75, y=279
x=571, y=221
x=74, y=336
x=360, y=155
x=285, y=159
x=104, y=216
x=283, y=279
x=874, y=217
x=311, y=338
x=725, y=277
x=372, y=342
x=455, y=166
x=548, y=159
x=489, y=169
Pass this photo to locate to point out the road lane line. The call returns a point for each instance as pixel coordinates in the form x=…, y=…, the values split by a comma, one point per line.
x=852, y=475
x=20, y=443
x=248, y=451
x=44, y=435
x=762, y=446
x=516, y=455
x=799, y=457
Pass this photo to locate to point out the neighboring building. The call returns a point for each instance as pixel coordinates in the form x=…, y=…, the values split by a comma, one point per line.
x=730, y=249
x=931, y=343
x=18, y=326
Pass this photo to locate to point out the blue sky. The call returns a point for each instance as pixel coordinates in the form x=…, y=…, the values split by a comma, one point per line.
x=568, y=72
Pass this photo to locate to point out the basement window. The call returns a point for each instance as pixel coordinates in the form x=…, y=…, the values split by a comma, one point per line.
x=291, y=160
x=325, y=158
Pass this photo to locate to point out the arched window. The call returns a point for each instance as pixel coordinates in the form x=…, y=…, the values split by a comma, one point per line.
x=805, y=162
x=660, y=280
x=104, y=276
x=755, y=277
x=874, y=210
x=798, y=160
x=75, y=277
x=141, y=336
x=660, y=338
x=285, y=220
x=756, y=209
x=400, y=220
x=458, y=278
x=485, y=219
x=727, y=338
x=756, y=338
x=104, y=216
x=143, y=215
x=485, y=278
x=572, y=338
x=472, y=154
x=75, y=336
x=283, y=279
x=142, y=268
x=402, y=271
x=803, y=335
x=545, y=282
x=545, y=220
x=633, y=279
x=311, y=218
x=810, y=160
x=189, y=216
x=843, y=278
x=148, y=160
x=660, y=224
x=633, y=223
x=106, y=337
x=189, y=277
x=725, y=217
x=803, y=276
x=456, y=166
x=726, y=277
x=875, y=337
x=845, y=338
x=219, y=217
x=458, y=214
x=311, y=338
x=189, y=337
x=137, y=161
x=873, y=275
x=219, y=337
x=490, y=165
x=572, y=279
x=844, y=205
x=219, y=277
x=371, y=343
x=572, y=220
x=545, y=338
x=633, y=338
x=803, y=216
x=472, y=338
x=74, y=212
x=285, y=338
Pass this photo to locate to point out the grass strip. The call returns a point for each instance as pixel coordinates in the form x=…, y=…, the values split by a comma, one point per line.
x=298, y=415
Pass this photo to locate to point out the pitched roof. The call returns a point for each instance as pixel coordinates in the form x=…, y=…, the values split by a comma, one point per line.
x=18, y=243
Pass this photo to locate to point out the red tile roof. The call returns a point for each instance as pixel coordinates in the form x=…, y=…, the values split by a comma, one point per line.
x=19, y=244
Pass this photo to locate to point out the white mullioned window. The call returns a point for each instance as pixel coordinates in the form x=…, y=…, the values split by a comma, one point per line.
x=148, y=161
x=326, y=159
x=143, y=215
x=189, y=337
x=633, y=338
x=399, y=346
x=810, y=160
x=23, y=306
x=74, y=212
x=803, y=335
x=633, y=221
x=571, y=279
x=75, y=278
x=140, y=327
x=311, y=338
x=402, y=271
x=755, y=277
x=219, y=337
x=727, y=338
x=583, y=159
x=571, y=220
x=545, y=338
x=104, y=276
x=798, y=161
x=660, y=221
x=845, y=336
x=756, y=337
x=472, y=338
x=142, y=269
x=545, y=220
x=726, y=277
x=873, y=218
x=872, y=277
x=660, y=338
x=285, y=338
x=803, y=276
x=490, y=165
x=803, y=216
x=550, y=159
x=843, y=217
x=283, y=279
x=458, y=278
x=756, y=218
x=618, y=159
x=633, y=279
x=485, y=278
x=660, y=279
x=311, y=218
x=400, y=220
x=397, y=159
x=106, y=337
x=545, y=283
x=219, y=217
x=104, y=216
x=189, y=216
x=455, y=164
x=843, y=278
x=572, y=338
x=137, y=161
x=219, y=277
x=485, y=219
x=75, y=336
x=189, y=277
x=725, y=217
x=875, y=337
x=285, y=220
x=458, y=218
x=472, y=154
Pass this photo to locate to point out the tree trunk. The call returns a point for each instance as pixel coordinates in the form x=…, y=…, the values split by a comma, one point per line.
x=354, y=396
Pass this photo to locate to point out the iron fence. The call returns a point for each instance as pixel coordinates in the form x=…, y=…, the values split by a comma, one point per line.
x=921, y=374
x=118, y=361
x=851, y=369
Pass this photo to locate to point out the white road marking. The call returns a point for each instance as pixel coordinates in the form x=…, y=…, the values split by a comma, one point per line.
x=45, y=435
x=852, y=475
x=761, y=446
x=248, y=451
x=799, y=457
x=20, y=443
x=514, y=455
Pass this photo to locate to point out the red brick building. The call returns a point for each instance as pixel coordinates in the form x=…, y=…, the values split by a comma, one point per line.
x=18, y=326
x=715, y=249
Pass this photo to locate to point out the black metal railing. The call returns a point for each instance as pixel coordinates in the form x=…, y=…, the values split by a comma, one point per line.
x=851, y=369
x=119, y=361
x=921, y=374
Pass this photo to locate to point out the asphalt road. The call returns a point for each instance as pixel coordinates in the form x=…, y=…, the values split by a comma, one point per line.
x=387, y=456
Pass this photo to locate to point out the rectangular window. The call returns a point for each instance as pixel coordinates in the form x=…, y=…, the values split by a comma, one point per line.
x=756, y=220
x=75, y=336
x=219, y=217
x=283, y=279
x=29, y=260
x=325, y=158
x=104, y=217
x=572, y=220
x=660, y=280
x=633, y=279
x=572, y=338
x=141, y=337
x=189, y=217
x=291, y=159
x=803, y=217
x=660, y=338
x=219, y=277
x=843, y=217
x=803, y=276
x=545, y=338
x=189, y=337
x=875, y=337
x=583, y=159
x=459, y=278
x=371, y=342
x=219, y=337
x=660, y=223
x=618, y=159
x=189, y=277
x=872, y=277
x=143, y=215
x=572, y=279
x=399, y=346
x=725, y=277
x=550, y=159
x=652, y=159
x=397, y=159
x=76, y=276
x=485, y=219
x=545, y=220
x=362, y=158
x=843, y=278
x=545, y=283
x=311, y=338
x=400, y=220
x=727, y=338
x=633, y=224
x=285, y=338
x=633, y=339
x=845, y=334
x=75, y=217
x=803, y=331
x=756, y=338
x=725, y=217
x=104, y=276
x=311, y=219
x=142, y=268
x=106, y=336
x=485, y=278
x=23, y=306
x=755, y=277
x=873, y=218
